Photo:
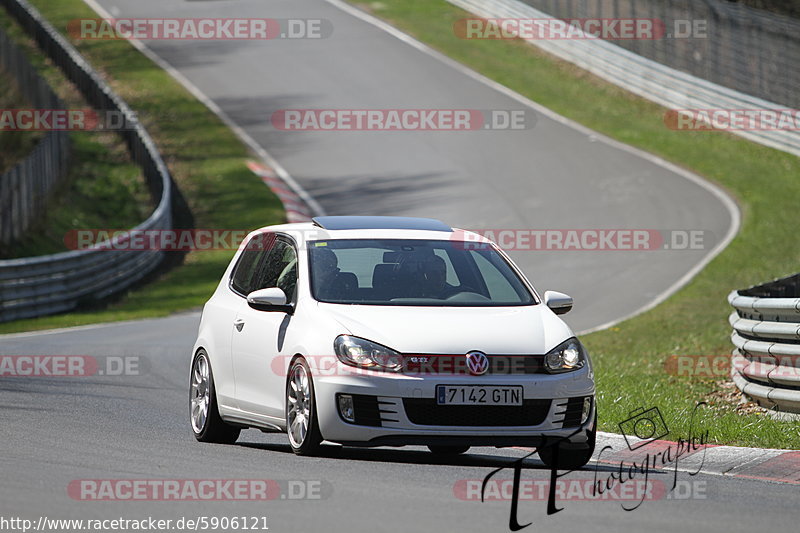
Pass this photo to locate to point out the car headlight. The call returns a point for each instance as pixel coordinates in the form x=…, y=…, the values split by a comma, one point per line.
x=355, y=351
x=567, y=356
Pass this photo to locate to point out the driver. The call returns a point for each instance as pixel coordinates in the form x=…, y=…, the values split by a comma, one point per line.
x=434, y=278
x=326, y=268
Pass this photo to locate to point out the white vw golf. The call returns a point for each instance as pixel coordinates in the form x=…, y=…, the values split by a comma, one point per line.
x=389, y=331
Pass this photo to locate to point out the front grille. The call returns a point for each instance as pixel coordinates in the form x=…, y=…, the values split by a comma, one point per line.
x=457, y=364
x=425, y=412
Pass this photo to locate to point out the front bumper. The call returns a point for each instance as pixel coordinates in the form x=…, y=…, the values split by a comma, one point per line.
x=406, y=413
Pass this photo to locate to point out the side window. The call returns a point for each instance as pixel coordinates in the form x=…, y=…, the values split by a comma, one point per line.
x=243, y=278
x=279, y=269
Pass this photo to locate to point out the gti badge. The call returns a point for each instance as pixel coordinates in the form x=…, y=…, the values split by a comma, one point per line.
x=477, y=363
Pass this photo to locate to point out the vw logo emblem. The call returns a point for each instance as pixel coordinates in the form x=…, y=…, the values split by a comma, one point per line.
x=477, y=363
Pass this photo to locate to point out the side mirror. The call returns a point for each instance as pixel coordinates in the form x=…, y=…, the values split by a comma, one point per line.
x=559, y=302
x=271, y=299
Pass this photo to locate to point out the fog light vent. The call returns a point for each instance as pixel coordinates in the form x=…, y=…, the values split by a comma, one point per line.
x=587, y=408
x=346, y=407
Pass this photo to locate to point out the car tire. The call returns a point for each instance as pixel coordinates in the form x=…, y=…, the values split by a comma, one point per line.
x=302, y=426
x=207, y=424
x=448, y=450
x=569, y=459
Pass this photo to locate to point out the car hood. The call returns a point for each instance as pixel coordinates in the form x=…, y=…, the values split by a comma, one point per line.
x=531, y=329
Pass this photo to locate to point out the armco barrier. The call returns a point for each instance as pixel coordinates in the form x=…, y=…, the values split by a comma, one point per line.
x=750, y=50
x=26, y=187
x=766, y=336
x=666, y=86
x=55, y=283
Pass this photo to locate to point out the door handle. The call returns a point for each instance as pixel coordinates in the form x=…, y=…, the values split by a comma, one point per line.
x=239, y=324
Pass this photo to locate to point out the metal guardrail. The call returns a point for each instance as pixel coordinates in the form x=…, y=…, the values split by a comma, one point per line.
x=55, y=283
x=26, y=187
x=750, y=50
x=649, y=79
x=766, y=335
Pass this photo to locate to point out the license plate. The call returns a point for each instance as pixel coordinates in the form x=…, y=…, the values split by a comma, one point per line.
x=478, y=395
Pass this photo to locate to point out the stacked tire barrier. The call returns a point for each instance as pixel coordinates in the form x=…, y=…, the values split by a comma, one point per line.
x=49, y=284
x=657, y=82
x=766, y=335
x=26, y=187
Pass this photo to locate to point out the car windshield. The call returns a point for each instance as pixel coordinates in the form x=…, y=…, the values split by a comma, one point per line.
x=413, y=273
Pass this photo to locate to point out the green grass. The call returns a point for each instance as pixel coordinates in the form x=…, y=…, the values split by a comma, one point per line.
x=14, y=145
x=102, y=188
x=629, y=358
x=205, y=159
